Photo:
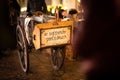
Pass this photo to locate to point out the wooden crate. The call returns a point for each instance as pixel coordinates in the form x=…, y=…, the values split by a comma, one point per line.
x=52, y=34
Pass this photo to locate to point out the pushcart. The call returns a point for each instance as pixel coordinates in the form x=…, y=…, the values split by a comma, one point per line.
x=39, y=35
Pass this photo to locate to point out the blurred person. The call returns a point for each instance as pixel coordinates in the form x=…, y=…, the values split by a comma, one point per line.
x=14, y=4
x=62, y=14
x=36, y=5
x=73, y=15
x=37, y=8
x=14, y=11
x=98, y=43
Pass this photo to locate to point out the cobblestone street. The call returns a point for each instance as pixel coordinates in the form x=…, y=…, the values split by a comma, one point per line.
x=40, y=67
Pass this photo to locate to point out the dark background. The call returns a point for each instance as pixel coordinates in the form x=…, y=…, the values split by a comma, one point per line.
x=7, y=32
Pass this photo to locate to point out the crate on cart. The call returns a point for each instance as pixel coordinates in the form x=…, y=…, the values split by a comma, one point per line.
x=50, y=34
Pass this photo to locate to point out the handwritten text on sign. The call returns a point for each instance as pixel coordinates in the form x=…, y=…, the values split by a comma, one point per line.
x=55, y=36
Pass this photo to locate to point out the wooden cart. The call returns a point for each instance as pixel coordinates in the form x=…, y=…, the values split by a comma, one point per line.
x=55, y=35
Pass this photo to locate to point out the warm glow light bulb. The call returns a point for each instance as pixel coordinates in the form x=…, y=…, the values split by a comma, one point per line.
x=79, y=1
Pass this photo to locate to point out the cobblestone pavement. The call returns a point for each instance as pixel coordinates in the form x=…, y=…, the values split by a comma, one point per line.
x=40, y=67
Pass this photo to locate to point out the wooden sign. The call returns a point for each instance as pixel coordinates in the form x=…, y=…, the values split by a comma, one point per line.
x=55, y=36
x=50, y=34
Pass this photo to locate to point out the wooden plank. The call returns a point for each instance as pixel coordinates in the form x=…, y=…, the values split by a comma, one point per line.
x=36, y=37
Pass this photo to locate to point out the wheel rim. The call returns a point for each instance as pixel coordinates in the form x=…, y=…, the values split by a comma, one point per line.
x=57, y=56
x=22, y=49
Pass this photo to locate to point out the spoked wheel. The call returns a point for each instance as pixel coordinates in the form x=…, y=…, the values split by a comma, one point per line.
x=57, y=56
x=22, y=48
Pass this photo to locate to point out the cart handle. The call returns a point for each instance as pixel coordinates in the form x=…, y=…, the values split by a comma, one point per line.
x=34, y=37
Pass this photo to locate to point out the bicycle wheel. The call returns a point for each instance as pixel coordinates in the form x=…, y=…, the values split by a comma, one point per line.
x=57, y=56
x=22, y=48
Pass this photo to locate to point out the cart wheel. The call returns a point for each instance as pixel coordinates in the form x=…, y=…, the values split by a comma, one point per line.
x=22, y=48
x=58, y=56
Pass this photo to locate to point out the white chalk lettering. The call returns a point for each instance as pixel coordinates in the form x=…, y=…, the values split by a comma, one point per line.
x=56, y=38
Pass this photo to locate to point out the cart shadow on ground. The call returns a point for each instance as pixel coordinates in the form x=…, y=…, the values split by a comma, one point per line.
x=40, y=67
